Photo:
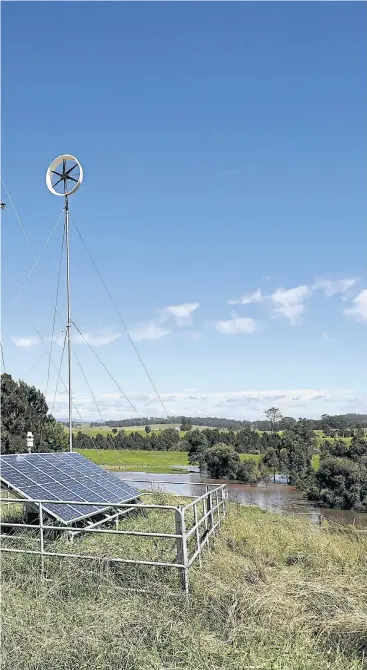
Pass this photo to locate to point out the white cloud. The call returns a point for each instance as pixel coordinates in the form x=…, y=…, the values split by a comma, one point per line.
x=95, y=338
x=236, y=325
x=59, y=339
x=332, y=287
x=25, y=342
x=148, y=331
x=248, y=298
x=290, y=302
x=154, y=330
x=246, y=404
x=359, y=309
x=181, y=313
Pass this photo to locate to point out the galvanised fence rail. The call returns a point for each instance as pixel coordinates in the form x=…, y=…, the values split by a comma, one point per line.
x=194, y=526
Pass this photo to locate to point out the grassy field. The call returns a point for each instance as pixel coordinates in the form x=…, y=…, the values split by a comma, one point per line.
x=151, y=461
x=106, y=430
x=275, y=593
x=137, y=461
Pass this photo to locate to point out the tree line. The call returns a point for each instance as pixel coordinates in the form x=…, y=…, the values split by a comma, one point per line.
x=339, y=425
x=23, y=409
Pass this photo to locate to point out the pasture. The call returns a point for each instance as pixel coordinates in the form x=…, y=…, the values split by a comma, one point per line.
x=137, y=460
x=107, y=430
x=151, y=461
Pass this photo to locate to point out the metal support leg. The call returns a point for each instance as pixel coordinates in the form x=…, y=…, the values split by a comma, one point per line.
x=197, y=532
x=41, y=540
x=218, y=507
x=223, y=494
x=205, y=510
x=210, y=509
x=182, y=556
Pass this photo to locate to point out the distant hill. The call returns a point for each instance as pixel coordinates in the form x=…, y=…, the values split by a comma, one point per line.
x=357, y=419
x=348, y=420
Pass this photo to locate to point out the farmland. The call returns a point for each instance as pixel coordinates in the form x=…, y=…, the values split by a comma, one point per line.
x=107, y=430
x=151, y=461
x=159, y=427
x=137, y=461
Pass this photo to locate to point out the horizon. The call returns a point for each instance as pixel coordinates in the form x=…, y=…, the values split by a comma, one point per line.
x=223, y=203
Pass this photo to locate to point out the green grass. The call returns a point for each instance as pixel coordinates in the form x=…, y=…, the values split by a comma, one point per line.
x=315, y=462
x=107, y=430
x=137, y=461
x=320, y=439
x=152, y=461
x=275, y=593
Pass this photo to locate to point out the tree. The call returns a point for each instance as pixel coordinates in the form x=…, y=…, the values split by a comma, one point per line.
x=358, y=449
x=186, y=425
x=147, y=429
x=54, y=437
x=337, y=448
x=81, y=440
x=36, y=408
x=182, y=445
x=13, y=412
x=157, y=442
x=24, y=408
x=248, y=472
x=274, y=416
x=198, y=445
x=298, y=445
x=221, y=461
x=340, y=482
x=114, y=430
x=100, y=441
x=287, y=422
x=271, y=462
x=170, y=436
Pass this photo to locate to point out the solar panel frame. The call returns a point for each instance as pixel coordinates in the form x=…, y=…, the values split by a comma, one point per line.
x=53, y=509
x=98, y=485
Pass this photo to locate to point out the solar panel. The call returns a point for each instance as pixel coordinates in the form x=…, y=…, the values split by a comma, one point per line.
x=63, y=477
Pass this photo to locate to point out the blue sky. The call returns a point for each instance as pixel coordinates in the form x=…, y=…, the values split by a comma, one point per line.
x=223, y=146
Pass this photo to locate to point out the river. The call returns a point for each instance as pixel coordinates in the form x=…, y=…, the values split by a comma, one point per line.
x=276, y=497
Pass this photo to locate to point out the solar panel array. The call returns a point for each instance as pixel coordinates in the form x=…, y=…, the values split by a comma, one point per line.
x=63, y=477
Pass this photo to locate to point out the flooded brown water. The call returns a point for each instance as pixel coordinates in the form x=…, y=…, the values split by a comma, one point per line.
x=276, y=497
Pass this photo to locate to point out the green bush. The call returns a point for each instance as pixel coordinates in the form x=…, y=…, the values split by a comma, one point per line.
x=248, y=472
x=222, y=461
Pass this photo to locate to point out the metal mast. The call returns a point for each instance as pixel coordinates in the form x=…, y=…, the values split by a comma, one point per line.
x=68, y=326
x=59, y=173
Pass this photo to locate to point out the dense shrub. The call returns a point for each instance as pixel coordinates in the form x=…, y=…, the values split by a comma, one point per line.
x=248, y=472
x=221, y=461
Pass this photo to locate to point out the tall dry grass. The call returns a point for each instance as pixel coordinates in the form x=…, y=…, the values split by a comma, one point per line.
x=274, y=593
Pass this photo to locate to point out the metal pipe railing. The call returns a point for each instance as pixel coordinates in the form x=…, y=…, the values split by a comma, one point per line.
x=182, y=535
x=87, y=502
